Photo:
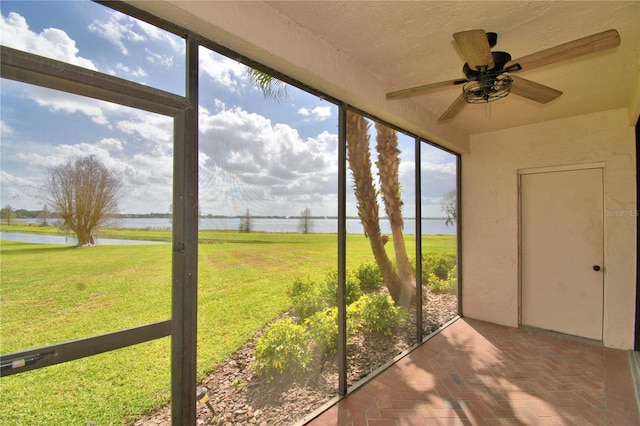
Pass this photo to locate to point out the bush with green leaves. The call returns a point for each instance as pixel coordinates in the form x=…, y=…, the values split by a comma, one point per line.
x=369, y=275
x=353, y=291
x=439, y=271
x=447, y=285
x=284, y=347
x=323, y=328
x=306, y=298
x=376, y=313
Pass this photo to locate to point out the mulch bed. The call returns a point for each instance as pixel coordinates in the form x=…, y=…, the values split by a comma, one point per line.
x=239, y=397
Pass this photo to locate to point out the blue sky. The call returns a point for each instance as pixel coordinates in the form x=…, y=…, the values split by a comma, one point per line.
x=271, y=158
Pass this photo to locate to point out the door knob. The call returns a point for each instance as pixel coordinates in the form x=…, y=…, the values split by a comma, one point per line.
x=596, y=268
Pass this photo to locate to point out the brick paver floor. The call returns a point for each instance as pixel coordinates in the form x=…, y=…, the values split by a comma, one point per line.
x=477, y=373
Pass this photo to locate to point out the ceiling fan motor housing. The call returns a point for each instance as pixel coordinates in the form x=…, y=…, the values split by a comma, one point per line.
x=487, y=78
x=500, y=59
x=486, y=85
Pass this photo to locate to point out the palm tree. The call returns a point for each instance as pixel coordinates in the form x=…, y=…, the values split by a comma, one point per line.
x=271, y=87
x=388, y=164
x=401, y=283
x=359, y=158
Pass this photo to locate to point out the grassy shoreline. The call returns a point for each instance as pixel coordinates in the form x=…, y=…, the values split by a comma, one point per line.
x=53, y=293
x=118, y=233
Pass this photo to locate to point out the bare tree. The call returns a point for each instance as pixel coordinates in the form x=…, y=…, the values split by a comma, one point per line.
x=44, y=215
x=246, y=223
x=7, y=213
x=85, y=194
x=306, y=222
x=449, y=204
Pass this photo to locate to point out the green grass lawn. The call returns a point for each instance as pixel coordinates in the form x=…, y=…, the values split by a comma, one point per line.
x=50, y=294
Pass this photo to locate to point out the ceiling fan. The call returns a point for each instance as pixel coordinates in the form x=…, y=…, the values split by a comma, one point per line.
x=488, y=74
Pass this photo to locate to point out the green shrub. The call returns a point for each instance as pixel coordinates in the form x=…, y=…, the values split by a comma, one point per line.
x=447, y=285
x=283, y=347
x=369, y=275
x=306, y=298
x=376, y=313
x=438, y=264
x=353, y=291
x=439, y=271
x=323, y=327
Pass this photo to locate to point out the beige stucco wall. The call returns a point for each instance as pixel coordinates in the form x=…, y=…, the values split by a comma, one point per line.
x=490, y=279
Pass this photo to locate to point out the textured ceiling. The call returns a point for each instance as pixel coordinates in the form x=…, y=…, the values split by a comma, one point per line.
x=357, y=51
x=410, y=43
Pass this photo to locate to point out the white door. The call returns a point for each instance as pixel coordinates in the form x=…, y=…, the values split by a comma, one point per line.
x=562, y=251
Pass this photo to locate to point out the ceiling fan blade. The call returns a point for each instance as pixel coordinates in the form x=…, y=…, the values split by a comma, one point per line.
x=583, y=46
x=412, y=91
x=454, y=109
x=532, y=90
x=475, y=49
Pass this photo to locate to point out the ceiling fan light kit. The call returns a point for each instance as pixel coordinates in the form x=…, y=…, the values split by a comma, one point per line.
x=479, y=91
x=488, y=85
x=487, y=73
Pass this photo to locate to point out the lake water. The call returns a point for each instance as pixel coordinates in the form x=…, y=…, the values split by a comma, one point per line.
x=59, y=239
x=321, y=226
x=324, y=226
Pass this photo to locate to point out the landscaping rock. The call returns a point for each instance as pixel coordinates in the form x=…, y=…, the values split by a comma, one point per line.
x=239, y=397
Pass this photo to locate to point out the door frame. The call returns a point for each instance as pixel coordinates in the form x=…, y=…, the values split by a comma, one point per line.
x=636, y=345
x=554, y=169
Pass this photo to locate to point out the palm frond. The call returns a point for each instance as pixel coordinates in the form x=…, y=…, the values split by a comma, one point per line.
x=271, y=87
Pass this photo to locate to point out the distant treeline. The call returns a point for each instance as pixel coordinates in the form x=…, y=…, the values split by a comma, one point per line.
x=31, y=214
x=37, y=214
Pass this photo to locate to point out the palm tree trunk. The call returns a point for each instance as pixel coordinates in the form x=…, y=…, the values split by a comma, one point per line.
x=388, y=164
x=360, y=163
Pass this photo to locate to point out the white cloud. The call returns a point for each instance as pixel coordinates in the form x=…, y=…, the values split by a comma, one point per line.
x=117, y=29
x=140, y=151
x=231, y=74
x=147, y=126
x=246, y=158
x=139, y=72
x=51, y=42
x=61, y=154
x=146, y=177
x=17, y=189
x=156, y=34
x=446, y=168
x=110, y=144
x=122, y=30
x=5, y=129
x=157, y=58
x=317, y=114
x=61, y=101
x=8, y=178
x=148, y=170
x=152, y=128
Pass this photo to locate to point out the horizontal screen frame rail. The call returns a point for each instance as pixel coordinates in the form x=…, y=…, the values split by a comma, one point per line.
x=53, y=74
x=18, y=362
